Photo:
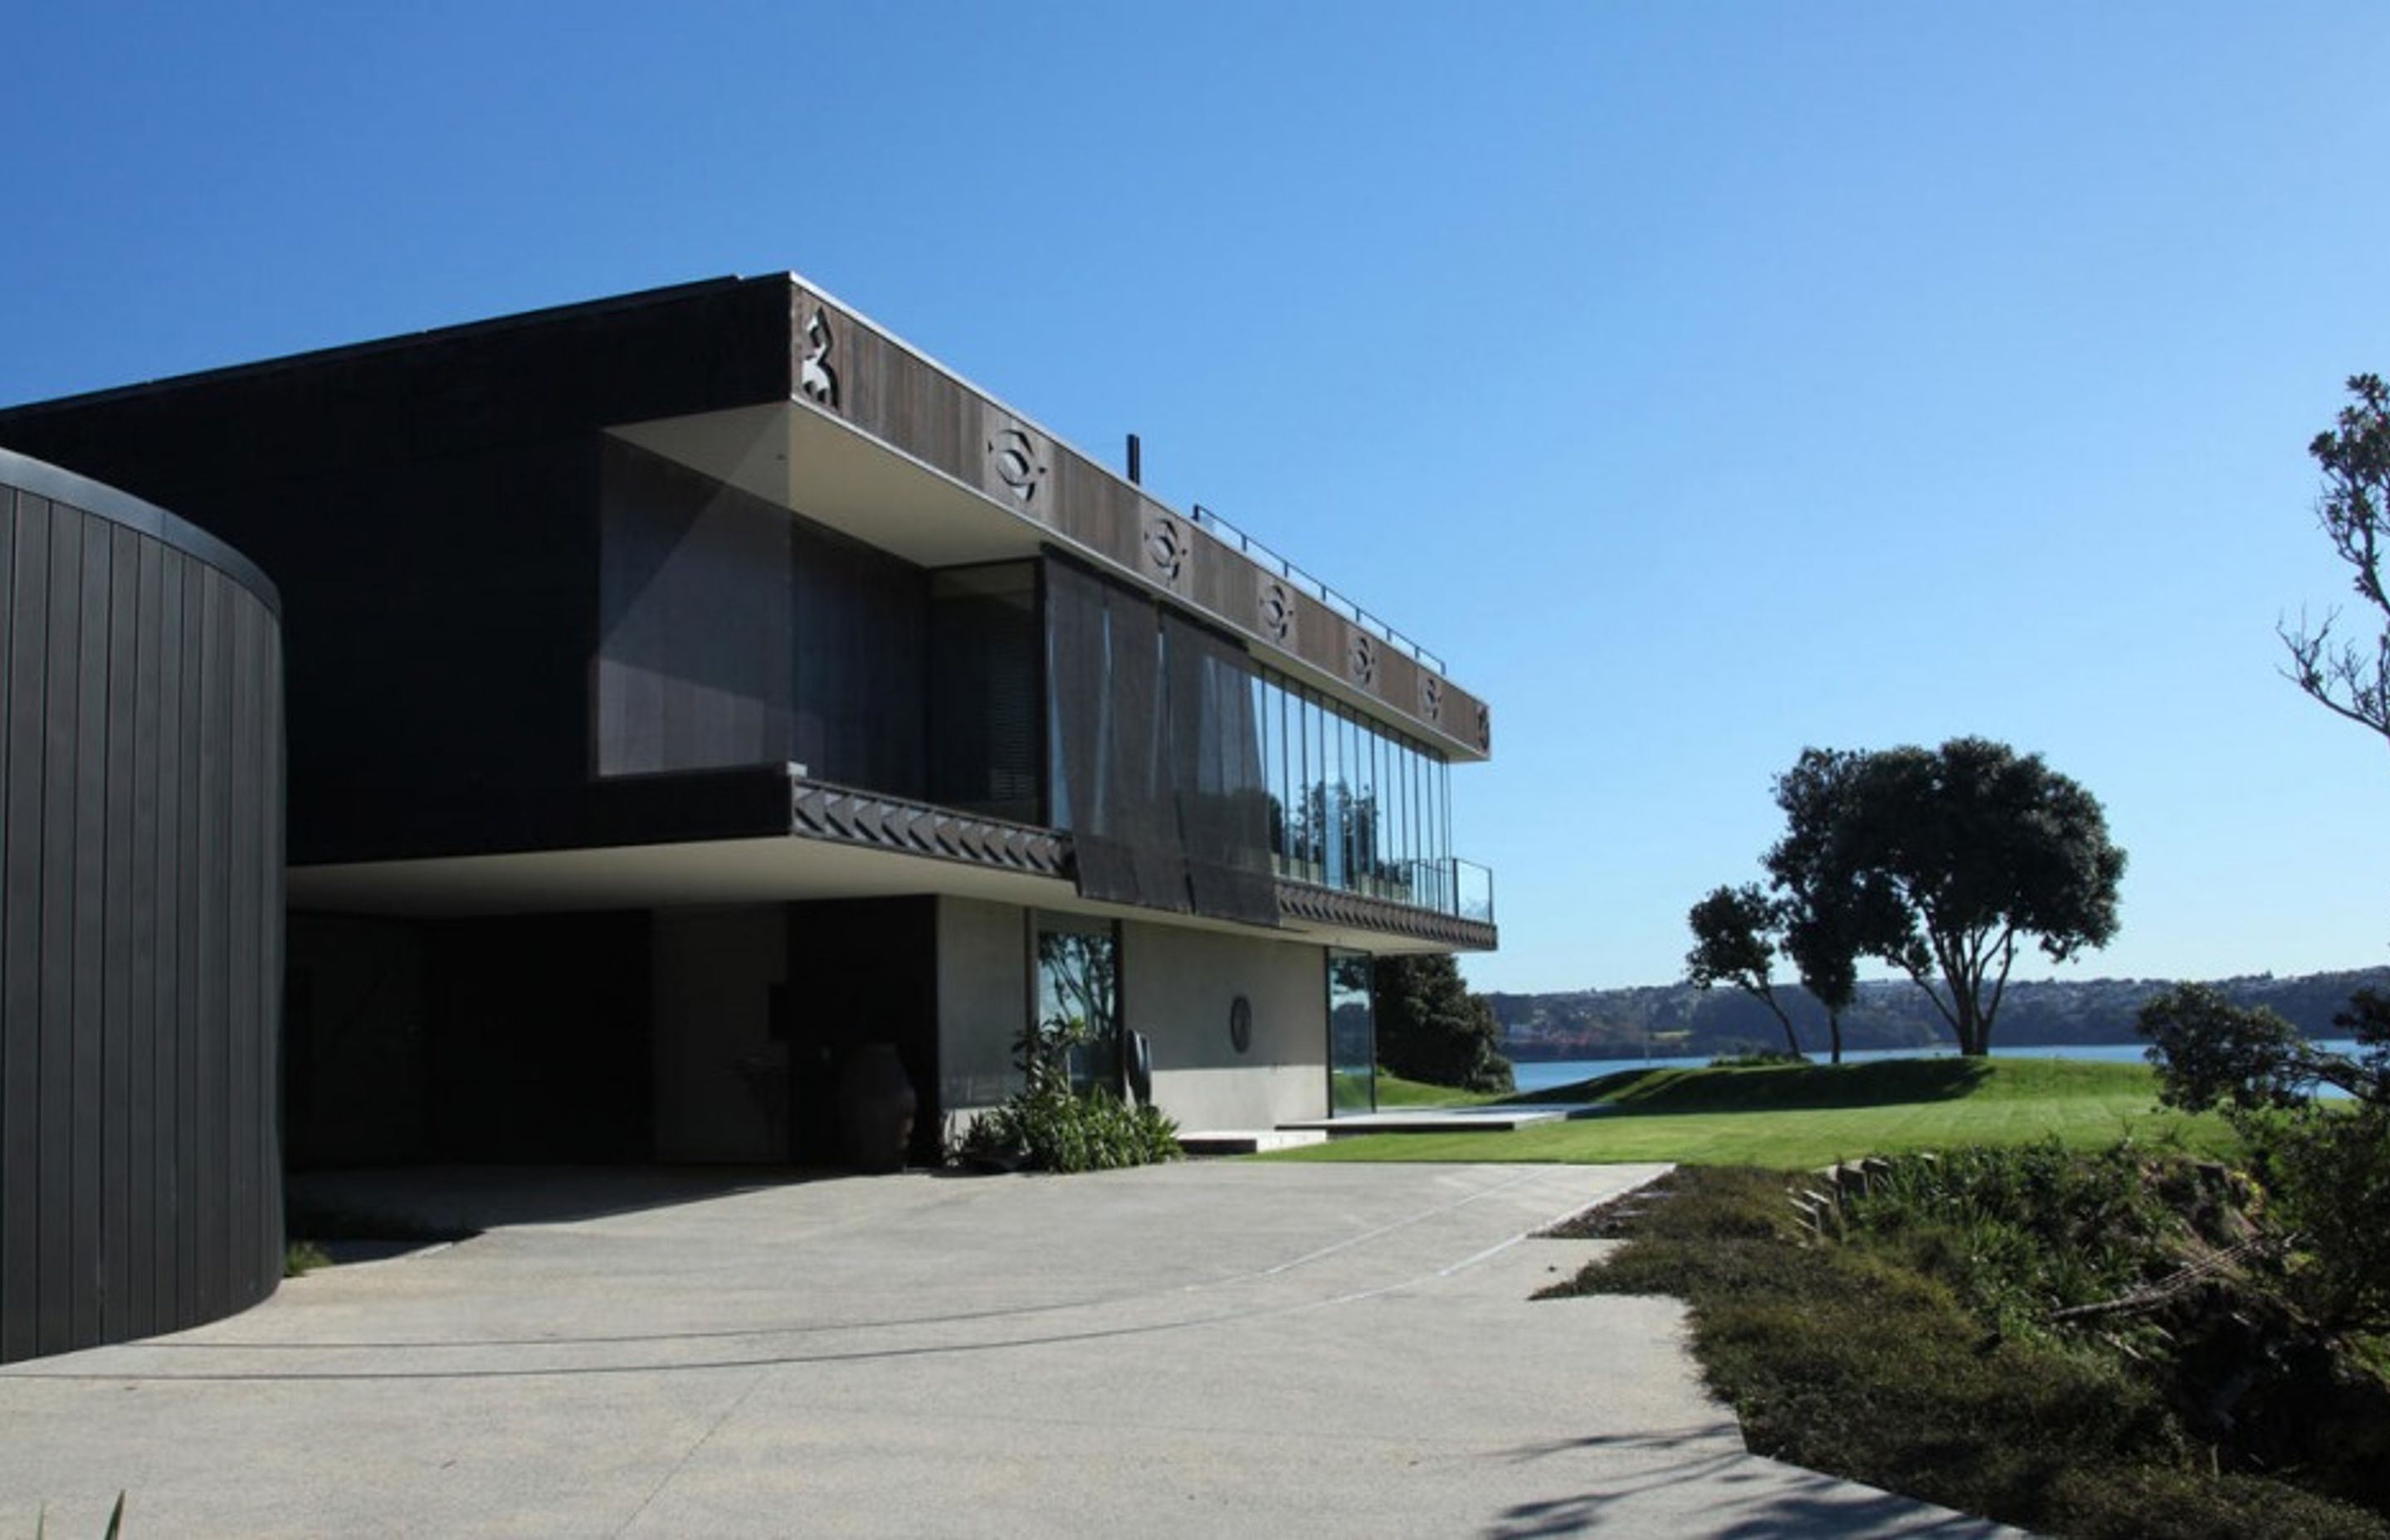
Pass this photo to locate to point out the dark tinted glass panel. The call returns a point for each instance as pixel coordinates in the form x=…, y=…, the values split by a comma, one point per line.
x=694, y=659
x=1156, y=754
x=984, y=690
x=734, y=631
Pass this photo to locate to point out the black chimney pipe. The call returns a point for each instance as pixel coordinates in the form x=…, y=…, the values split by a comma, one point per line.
x=1135, y=462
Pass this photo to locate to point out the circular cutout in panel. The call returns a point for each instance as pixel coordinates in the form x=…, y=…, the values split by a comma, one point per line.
x=1240, y=1024
x=1277, y=606
x=1167, y=549
x=1013, y=454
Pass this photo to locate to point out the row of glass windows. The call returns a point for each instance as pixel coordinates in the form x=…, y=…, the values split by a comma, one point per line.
x=1353, y=805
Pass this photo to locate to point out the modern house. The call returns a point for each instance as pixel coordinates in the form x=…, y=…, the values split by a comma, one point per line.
x=690, y=688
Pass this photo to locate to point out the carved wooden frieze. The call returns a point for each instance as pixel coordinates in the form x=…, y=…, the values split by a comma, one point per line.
x=1273, y=609
x=816, y=376
x=1166, y=549
x=842, y=365
x=1019, y=465
x=1361, y=657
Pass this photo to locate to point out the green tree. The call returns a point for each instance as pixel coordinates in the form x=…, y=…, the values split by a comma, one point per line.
x=1827, y=958
x=1942, y=861
x=1833, y=910
x=1734, y=943
x=2330, y=1167
x=1431, y=1028
x=2350, y=678
x=2327, y=1165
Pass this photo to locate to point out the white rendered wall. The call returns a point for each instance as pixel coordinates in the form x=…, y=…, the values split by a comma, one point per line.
x=982, y=999
x=1179, y=985
x=715, y=1064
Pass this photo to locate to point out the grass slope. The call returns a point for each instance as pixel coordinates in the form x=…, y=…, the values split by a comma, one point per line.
x=1796, y=1116
x=1394, y=1091
x=1853, y=1360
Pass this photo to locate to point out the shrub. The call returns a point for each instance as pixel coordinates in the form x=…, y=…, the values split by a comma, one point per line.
x=1049, y=1127
x=2326, y=1164
x=1883, y=1359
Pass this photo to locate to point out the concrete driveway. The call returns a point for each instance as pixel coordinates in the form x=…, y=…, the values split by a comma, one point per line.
x=1206, y=1349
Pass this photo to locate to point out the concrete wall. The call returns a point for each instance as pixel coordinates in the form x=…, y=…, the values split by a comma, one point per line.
x=982, y=999
x=722, y=1087
x=1179, y=985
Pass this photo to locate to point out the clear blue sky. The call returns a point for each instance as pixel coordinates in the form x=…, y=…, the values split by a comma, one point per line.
x=1702, y=380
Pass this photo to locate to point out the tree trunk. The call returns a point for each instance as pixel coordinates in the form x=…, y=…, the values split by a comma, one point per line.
x=1974, y=1041
x=1792, y=1040
x=1834, y=1032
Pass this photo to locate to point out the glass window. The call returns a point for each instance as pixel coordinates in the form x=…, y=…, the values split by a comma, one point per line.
x=1336, y=820
x=1353, y=804
x=1373, y=796
x=1079, y=1021
x=1352, y=1035
x=1320, y=809
x=984, y=690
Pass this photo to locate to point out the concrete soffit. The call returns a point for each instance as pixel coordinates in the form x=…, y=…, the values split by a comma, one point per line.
x=841, y=843
x=836, y=454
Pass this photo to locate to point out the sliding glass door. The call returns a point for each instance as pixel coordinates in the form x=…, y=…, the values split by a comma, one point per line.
x=1352, y=1035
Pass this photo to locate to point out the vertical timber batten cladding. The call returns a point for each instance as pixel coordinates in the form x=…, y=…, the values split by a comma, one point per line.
x=141, y=918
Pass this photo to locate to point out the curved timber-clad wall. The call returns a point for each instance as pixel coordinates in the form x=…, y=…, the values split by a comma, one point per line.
x=140, y=918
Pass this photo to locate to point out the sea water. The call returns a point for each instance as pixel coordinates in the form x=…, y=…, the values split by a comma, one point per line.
x=1545, y=1074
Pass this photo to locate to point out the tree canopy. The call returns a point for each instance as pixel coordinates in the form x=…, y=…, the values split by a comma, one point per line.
x=1940, y=862
x=2352, y=679
x=1833, y=910
x=1431, y=1028
x=1734, y=931
x=2329, y=1168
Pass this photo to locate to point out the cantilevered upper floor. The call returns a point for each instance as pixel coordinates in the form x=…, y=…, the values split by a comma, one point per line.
x=554, y=581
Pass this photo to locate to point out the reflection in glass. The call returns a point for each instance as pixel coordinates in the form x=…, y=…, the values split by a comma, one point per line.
x=1353, y=804
x=1352, y=1035
x=1077, y=1023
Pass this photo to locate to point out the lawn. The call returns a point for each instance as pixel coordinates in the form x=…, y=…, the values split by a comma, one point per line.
x=1394, y=1091
x=1799, y=1116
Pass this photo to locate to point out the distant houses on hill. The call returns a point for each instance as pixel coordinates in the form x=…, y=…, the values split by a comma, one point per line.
x=1672, y=1020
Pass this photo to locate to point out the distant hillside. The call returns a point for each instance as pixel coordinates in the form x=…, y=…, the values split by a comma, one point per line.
x=1674, y=1020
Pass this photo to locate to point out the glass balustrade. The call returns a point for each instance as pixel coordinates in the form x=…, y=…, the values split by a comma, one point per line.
x=1357, y=805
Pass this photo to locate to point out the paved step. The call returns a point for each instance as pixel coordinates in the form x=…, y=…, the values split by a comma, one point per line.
x=1449, y=1120
x=1248, y=1141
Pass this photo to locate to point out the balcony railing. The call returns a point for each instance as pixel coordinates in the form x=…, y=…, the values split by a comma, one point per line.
x=1263, y=555
x=1462, y=889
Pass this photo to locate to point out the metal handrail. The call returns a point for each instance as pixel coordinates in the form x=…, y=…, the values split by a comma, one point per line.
x=1446, y=885
x=1257, y=552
